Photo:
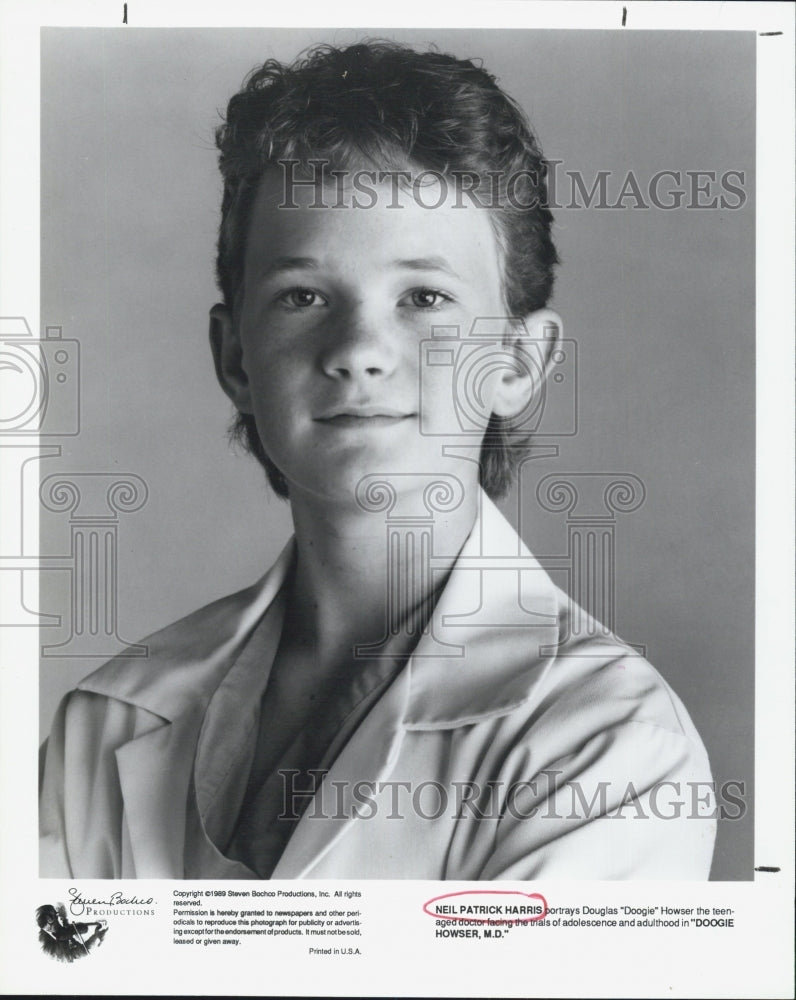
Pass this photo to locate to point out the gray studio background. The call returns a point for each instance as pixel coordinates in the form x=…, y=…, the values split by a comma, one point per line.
x=661, y=304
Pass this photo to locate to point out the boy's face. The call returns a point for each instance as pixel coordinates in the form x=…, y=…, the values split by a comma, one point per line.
x=325, y=347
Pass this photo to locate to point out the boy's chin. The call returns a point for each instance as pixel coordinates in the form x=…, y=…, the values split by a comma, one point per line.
x=430, y=486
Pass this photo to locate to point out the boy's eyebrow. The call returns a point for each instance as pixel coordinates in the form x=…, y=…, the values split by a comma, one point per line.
x=436, y=263
x=427, y=264
x=279, y=264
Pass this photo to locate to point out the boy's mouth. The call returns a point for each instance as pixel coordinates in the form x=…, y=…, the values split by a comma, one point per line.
x=368, y=415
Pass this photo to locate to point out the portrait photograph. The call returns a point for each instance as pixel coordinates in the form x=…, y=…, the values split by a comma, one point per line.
x=404, y=198
x=397, y=456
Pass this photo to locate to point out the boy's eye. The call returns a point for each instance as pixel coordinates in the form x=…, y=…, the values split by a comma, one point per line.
x=428, y=298
x=301, y=298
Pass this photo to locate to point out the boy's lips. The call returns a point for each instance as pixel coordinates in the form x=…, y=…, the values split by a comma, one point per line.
x=366, y=415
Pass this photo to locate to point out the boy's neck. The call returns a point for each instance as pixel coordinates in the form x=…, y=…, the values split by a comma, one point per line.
x=351, y=587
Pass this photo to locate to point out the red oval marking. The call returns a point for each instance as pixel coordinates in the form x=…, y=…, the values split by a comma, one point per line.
x=488, y=919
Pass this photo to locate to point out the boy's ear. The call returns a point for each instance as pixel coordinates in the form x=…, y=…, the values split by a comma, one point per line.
x=228, y=358
x=534, y=341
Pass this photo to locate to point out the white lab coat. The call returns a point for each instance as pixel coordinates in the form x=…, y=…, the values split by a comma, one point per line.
x=591, y=765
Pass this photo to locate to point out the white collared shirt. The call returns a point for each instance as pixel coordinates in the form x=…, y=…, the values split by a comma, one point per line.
x=558, y=755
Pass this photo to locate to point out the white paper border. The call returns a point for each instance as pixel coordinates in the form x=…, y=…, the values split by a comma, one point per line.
x=755, y=963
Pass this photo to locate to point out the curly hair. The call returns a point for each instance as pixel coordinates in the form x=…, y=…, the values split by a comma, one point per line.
x=387, y=105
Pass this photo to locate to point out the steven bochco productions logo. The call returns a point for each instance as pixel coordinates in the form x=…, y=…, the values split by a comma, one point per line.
x=64, y=940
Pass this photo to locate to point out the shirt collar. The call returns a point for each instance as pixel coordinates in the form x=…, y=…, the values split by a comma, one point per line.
x=486, y=648
x=491, y=635
x=187, y=660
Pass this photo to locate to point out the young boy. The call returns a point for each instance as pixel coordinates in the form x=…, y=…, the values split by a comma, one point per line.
x=405, y=694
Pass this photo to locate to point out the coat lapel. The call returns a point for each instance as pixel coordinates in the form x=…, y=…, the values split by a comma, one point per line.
x=502, y=609
x=174, y=684
x=154, y=773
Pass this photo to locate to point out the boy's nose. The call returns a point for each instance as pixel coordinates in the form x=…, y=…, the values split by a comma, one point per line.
x=360, y=346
